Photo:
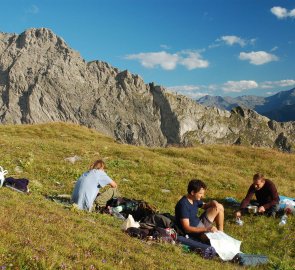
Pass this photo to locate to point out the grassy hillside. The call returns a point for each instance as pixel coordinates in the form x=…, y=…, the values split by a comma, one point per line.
x=39, y=234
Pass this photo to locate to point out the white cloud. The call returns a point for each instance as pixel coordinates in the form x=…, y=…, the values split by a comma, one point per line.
x=192, y=91
x=197, y=91
x=193, y=60
x=292, y=13
x=150, y=60
x=273, y=84
x=258, y=58
x=202, y=90
x=286, y=83
x=33, y=9
x=231, y=40
x=184, y=88
x=271, y=93
x=239, y=86
x=274, y=48
x=279, y=12
x=164, y=46
x=195, y=95
x=252, y=41
x=214, y=45
x=282, y=13
x=189, y=59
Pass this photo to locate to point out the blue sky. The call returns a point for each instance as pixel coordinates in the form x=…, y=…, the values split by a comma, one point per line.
x=193, y=47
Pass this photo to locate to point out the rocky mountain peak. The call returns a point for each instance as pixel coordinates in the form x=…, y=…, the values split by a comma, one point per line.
x=247, y=113
x=44, y=80
x=39, y=36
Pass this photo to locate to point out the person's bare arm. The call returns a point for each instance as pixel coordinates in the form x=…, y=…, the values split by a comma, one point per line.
x=210, y=204
x=113, y=184
x=190, y=229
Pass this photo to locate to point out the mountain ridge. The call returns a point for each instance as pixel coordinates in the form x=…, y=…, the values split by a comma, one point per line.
x=43, y=80
x=278, y=107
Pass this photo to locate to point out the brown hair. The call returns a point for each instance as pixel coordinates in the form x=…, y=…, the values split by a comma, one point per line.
x=195, y=185
x=98, y=164
x=258, y=176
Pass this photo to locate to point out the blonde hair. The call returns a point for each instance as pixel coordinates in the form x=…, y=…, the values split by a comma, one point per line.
x=98, y=164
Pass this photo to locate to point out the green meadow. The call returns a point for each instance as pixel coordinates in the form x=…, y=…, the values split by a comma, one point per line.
x=36, y=233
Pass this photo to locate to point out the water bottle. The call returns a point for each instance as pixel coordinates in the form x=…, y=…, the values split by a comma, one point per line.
x=185, y=248
x=118, y=209
x=283, y=221
x=239, y=222
x=117, y=214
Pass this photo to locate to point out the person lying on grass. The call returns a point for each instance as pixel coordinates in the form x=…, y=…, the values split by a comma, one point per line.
x=86, y=191
x=266, y=195
x=186, y=211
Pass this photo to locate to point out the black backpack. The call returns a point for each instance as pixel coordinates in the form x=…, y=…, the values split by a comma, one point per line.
x=139, y=209
x=17, y=184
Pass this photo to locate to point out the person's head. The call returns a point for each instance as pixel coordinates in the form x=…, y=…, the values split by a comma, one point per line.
x=196, y=188
x=98, y=164
x=258, y=180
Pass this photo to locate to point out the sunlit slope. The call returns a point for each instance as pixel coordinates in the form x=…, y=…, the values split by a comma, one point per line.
x=40, y=234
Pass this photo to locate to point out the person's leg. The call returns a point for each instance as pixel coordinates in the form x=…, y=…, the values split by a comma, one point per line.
x=102, y=199
x=215, y=214
x=271, y=212
x=202, y=236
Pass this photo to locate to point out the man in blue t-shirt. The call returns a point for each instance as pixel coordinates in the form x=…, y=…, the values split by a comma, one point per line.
x=187, y=208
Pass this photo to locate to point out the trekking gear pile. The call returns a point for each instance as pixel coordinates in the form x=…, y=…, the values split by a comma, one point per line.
x=144, y=222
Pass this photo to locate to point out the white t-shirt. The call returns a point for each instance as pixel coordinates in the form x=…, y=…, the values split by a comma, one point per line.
x=87, y=188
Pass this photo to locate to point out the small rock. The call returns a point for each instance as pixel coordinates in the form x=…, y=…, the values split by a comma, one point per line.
x=165, y=190
x=18, y=169
x=72, y=159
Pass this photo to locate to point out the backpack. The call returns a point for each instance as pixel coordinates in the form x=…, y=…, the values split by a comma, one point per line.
x=139, y=209
x=17, y=184
x=156, y=220
x=164, y=234
x=137, y=232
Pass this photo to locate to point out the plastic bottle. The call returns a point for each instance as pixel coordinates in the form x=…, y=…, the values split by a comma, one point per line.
x=117, y=214
x=185, y=248
x=239, y=222
x=118, y=209
x=283, y=221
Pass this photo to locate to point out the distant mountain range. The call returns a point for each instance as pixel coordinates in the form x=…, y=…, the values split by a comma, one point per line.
x=279, y=107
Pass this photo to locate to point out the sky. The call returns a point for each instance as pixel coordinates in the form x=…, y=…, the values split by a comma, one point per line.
x=192, y=47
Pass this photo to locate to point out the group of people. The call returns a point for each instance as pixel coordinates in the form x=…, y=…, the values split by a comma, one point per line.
x=86, y=196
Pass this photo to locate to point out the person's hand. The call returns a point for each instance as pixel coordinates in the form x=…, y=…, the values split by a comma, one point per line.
x=212, y=229
x=238, y=214
x=261, y=209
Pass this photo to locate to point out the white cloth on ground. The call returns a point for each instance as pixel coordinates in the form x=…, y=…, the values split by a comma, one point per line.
x=2, y=175
x=130, y=222
x=225, y=246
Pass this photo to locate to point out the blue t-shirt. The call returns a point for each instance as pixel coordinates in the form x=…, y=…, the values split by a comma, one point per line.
x=87, y=188
x=184, y=209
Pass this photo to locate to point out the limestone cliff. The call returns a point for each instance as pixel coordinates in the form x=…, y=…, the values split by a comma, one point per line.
x=43, y=80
